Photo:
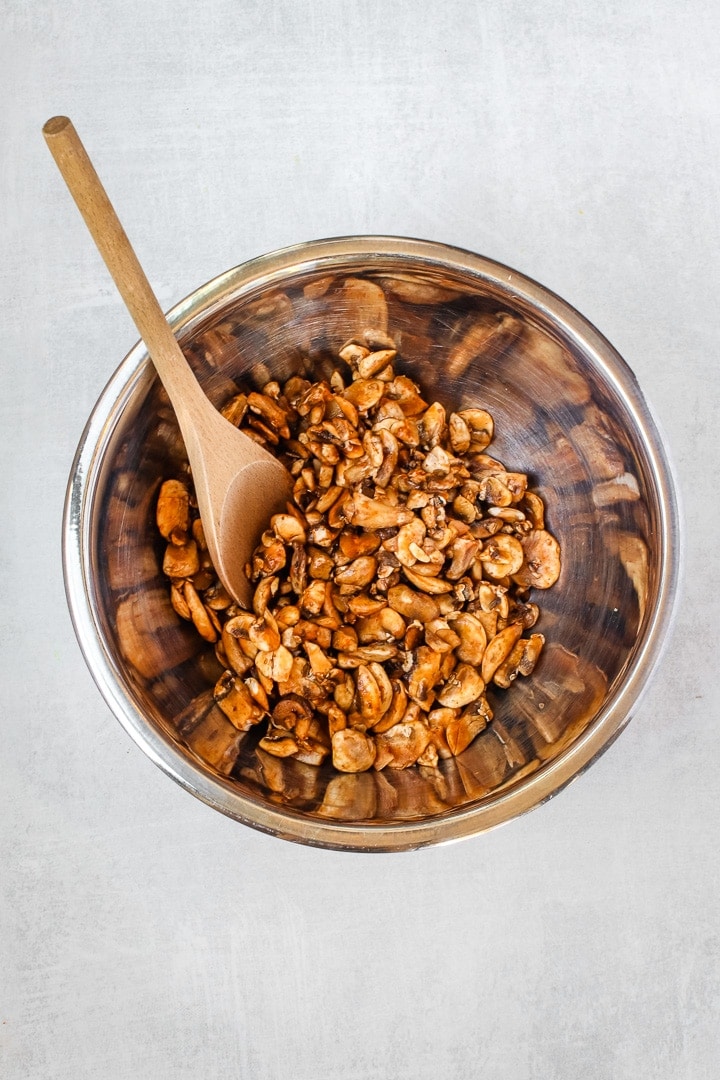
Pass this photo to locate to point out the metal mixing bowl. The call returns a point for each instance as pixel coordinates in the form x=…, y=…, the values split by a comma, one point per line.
x=567, y=411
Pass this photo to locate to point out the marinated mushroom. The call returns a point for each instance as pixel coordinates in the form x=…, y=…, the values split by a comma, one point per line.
x=393, y=589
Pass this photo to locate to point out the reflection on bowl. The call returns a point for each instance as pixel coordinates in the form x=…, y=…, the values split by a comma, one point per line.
x=472, y=333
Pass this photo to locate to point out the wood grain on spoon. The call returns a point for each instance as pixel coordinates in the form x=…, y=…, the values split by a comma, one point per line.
x=238, y=484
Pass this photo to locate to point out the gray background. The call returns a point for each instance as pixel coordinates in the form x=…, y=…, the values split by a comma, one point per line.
x=143, y=935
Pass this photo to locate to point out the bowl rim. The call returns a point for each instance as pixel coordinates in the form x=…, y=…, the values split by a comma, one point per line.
x=222, y=794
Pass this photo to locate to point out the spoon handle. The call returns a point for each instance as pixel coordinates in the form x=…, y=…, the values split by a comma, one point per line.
x=112, y=243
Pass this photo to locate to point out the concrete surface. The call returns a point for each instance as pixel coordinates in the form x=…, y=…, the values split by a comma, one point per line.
x=143, y=935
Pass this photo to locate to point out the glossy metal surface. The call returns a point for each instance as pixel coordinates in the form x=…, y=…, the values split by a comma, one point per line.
x=567, y=410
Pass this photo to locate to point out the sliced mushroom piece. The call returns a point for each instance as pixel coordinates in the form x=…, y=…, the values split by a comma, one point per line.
x=520, y=661
x=336, y=718
x=465, y=510
x=396, y=709
x=372, y=514
x=525, y=613
x=236, y=702
x=423, y=676
x=411, y=534
x=344, y=692
x=437, y=728
x=501, y=556
x=461, y=731
x=320, y=565
x=280, y=746
x=235, y=656
x=534, y=509
x=264, y=633
x=352, y=352
x=311, y=752
x=464, y=685
x=384, y=686
x=404, y=393
x=363, y=605
x=266, y=590
x=400, y=746
x=508, y=514
x=287, y=616
x=432, y=425
x=493, y=597
x=275, y=665
x=498, y=649
x=412, y=604
x=472, y=636
x=345, y=638
x=320, y=663
x=359, y=573
x=368, y=694
x=480, y=425
x=199, y=613
x=268, y=559
x=217, y=598
x=493, y=490
x=289, y=710
x=311, y=630
x=353, y=544
x=541, y=567
x=440, y=637
x=313, y=597
x=234, y=410
x=375, y=362
x=384, y=625
x=173, y=511
x=295, y=680
x=432, y=585
x=287, y=528
x=489, y=620
x=198, y=533
x=365, y=653
x=181, y=560
x=352, y=750
x=391, y=452
x=257, y=692
x=459, y=432
x=429, y=558
x=270, y=412
x=178, y=601
x=464, y=551
x=320, y=534
x=439, y=461
x=364, y=394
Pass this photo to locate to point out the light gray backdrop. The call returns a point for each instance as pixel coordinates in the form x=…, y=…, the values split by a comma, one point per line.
x=143, y=935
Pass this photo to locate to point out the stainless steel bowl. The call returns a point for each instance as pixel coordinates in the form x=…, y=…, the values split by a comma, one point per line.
x=568, y=411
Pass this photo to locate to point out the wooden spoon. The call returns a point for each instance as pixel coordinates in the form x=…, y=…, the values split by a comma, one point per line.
x=238, y=484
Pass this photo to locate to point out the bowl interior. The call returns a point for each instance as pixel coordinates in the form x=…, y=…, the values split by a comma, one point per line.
x=560, y=416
